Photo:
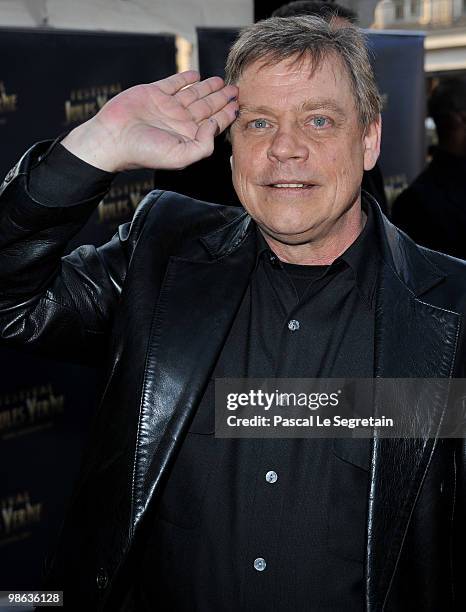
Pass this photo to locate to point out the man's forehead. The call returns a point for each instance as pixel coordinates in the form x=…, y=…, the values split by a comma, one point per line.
x=297, y=68
x=313, y=103
x=308, y=83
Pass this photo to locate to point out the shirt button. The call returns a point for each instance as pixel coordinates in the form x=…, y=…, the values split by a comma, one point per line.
x=293, y=325
x=271, y=476
x=260, y=564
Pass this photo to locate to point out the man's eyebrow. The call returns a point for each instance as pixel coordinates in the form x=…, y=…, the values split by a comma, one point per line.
x=308, y=105
x=325, y=103
x=244, y=108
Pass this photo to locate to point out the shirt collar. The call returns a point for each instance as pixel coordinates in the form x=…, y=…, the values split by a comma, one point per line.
x=361, y=256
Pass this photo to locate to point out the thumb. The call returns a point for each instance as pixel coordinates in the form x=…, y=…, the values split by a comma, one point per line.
x=205, y=135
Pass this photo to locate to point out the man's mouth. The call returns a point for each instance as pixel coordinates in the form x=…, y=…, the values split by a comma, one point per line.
x=294, y=185
x=291, y=185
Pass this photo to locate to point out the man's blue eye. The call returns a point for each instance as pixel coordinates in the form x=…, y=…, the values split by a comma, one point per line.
x=319, y=121
x=259, y=123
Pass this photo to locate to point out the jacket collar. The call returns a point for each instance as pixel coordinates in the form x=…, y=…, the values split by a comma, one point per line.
x=403, y=256
x=399, y=252
x=224, y=240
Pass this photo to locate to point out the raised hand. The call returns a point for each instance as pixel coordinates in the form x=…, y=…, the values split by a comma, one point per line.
x=168, y=124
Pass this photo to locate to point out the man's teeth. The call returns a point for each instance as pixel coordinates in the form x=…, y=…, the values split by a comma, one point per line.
x=289, y=185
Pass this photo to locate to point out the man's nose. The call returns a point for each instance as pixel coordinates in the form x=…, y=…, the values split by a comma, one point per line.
x=288, y=143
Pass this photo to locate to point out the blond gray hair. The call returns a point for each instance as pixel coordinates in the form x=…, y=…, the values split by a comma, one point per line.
x=308, y=37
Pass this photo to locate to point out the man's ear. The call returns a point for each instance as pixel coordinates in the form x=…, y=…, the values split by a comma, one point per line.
x=371, y=142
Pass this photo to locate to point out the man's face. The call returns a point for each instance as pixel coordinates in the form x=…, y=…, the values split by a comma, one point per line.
x=299, y=150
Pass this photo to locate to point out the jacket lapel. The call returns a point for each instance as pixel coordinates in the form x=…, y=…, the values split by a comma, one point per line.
x=413, y=339
x=201, y=293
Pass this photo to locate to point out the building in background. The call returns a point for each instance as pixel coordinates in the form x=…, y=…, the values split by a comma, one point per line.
x=444, y=22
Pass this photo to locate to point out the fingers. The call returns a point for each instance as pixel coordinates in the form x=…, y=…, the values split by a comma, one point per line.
x=199, y=90
x=226, y=116
x=203, y=143
x=172, y=84
x=202, y=98
x=206, y=134
x=212, y=103
x=215, y=125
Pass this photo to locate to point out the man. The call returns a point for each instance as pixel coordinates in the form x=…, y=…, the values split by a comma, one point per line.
x=432, y=210
x=310, y=281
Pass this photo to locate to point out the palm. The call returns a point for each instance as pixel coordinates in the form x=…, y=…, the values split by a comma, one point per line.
x=166, y=124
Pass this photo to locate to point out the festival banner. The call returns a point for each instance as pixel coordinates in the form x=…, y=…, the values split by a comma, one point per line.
x=51, y=81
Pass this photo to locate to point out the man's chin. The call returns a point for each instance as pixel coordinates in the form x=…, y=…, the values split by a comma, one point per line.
x=290, y=235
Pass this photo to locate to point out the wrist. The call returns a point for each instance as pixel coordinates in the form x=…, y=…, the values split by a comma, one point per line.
x=90, y=143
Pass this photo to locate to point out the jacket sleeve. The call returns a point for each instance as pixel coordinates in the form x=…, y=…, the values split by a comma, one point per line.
x=60, y=306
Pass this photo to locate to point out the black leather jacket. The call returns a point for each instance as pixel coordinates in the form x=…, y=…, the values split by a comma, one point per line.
x=156, y=302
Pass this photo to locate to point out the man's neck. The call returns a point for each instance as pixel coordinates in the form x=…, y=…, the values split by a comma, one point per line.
x=322, y=251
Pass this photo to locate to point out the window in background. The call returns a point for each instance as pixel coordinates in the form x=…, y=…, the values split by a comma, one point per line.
x=416, y=8
x=399, y=9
